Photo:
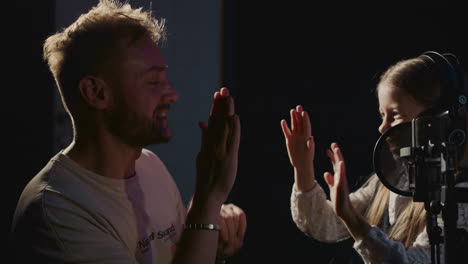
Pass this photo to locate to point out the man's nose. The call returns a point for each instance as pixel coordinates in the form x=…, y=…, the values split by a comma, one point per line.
x=172, y=95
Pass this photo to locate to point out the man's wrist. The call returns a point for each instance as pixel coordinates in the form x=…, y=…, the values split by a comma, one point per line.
x=203, y=212
x=205, y=205
x=191, y=226
x=208, y=200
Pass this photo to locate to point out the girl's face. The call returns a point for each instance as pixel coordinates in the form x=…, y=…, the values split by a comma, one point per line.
x=396, y=107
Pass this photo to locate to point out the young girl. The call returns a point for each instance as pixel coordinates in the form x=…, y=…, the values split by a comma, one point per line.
x=386, y=227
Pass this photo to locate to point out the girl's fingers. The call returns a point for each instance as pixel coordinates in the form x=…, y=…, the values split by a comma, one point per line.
x=286, y=131
x=331, y=157
x=341, y=177
x=328, y=177
x=306, y=123
x=299, y=109
x=298, y=116
x=293, y=120
x=337, y=152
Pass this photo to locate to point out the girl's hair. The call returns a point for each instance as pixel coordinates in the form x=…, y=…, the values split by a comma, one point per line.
x=419, y=79
x=409, y=223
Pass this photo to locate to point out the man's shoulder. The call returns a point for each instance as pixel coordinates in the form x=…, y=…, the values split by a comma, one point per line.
x=42, y=178
x=147, y=154
x=149, y=165
x=149, y=159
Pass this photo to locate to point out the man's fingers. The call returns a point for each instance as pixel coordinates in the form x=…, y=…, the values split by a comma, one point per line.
x=222, y=142
x=230, y=106
x=242, y=224
x=224, y=91
x=237, y=224
x=230, y=229
x=212, y=135
x=235, y=220
x=234, y=134
x=310, y=143
x=224, y=235
x=221, y=133
x=203, y=128
x=223, y=104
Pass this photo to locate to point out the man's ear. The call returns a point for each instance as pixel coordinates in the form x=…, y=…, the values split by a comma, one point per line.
x=94, y=92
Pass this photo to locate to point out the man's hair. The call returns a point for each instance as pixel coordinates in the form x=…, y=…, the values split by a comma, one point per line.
x=95, y=42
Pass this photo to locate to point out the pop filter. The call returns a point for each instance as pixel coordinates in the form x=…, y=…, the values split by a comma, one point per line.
x=389, y=163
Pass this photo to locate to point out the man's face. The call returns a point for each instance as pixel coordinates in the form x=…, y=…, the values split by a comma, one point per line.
x=142, y=96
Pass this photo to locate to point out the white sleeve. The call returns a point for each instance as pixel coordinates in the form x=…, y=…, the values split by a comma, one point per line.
x=313, y=213
x=377, y=247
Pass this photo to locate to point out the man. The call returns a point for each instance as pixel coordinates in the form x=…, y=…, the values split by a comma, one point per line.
x=105, y=198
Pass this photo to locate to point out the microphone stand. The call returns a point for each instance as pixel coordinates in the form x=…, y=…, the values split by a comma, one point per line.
x=440, y=198
x=433, y=230
x=450, y=216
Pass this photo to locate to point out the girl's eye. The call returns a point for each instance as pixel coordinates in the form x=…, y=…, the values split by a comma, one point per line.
x=397, y=114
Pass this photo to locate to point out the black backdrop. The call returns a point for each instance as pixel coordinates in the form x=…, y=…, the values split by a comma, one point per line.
x=326, y=57
x=27, y=97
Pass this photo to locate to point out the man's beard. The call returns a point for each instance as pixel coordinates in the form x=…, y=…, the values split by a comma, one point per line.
x=135, y=129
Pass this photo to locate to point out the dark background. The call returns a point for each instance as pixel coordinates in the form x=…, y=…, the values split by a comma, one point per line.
x=326, y=57
x=27, y=97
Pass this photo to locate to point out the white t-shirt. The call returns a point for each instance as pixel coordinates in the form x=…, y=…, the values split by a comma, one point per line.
x=69, y=214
